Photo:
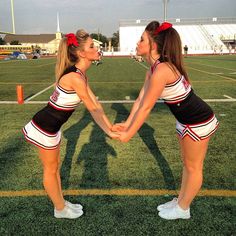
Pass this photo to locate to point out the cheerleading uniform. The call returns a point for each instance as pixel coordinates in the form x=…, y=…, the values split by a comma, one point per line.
x=44, y=128
x=193, y=116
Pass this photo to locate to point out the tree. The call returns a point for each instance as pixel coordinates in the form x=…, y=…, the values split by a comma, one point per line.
x=115, y=39
x=100, y=37
x=15, y=42
x=2, y=42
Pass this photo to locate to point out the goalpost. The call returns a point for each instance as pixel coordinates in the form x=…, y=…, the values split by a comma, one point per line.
x=12, y=19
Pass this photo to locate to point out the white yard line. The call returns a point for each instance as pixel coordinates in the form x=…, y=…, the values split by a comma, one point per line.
x=227, y=96
x=209, y=73
x=120, y=101
x=140, y=63
x=191, y=62
x=28, y=99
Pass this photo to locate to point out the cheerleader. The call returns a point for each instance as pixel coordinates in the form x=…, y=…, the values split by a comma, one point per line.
x=75, y=55
x=167, y=79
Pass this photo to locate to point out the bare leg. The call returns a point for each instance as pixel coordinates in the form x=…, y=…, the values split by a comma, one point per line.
x=194, y=154
x=58, y=174
x=51, y=183
x=183, y=180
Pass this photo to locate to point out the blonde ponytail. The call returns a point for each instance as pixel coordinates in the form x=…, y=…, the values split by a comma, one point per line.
x=67, y=55
x=63, y=61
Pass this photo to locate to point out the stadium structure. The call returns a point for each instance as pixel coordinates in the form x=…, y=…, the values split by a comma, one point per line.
x=202, y=36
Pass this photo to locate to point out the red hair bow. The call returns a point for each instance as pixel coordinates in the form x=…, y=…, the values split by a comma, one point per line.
x=162, y=27
x=71, y=40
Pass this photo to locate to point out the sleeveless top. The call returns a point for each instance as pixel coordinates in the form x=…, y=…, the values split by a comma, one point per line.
x=184, y=104
x=60, y=107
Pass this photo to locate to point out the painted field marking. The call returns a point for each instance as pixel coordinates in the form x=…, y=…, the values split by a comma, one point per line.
x=42, y=91
x=119, y=101
x=217, y=74
x=45, y=64
x=206, y=72
x=118, y=192
x=210, y=66
x=146, y=67
x=15, y=83
x=227, y=96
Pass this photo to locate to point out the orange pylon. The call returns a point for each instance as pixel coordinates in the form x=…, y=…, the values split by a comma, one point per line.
x=20, y=94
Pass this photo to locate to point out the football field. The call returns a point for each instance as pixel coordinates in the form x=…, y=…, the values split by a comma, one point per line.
x=119, y=185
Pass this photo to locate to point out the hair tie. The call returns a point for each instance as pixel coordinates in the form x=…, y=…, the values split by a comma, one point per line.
x=162, y=27
x=72, y=40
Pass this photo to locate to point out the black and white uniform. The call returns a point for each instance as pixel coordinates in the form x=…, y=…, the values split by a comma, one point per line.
x=193, y=116
x=44, y=128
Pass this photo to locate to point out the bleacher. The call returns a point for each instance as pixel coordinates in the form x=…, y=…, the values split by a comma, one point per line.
x=204, y=38
x=209, y=35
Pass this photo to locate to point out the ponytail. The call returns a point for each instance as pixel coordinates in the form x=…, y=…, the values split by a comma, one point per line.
x=169, y=46
x=67, y=52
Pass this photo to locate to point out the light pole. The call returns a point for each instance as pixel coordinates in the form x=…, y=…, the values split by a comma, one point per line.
x=12, y=16
x=165, y=9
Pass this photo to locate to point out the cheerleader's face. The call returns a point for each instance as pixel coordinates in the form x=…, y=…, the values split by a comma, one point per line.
x=90, y=51
x=143, y=45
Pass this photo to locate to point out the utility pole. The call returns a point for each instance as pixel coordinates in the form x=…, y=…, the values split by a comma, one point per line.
x=165, y=9
x=12, y=16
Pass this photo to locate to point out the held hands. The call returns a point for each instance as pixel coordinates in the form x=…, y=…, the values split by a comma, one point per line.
x=120, y=129
x=114, y=135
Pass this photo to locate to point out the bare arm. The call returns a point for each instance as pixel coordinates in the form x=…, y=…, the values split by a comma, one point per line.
x=123, y=126
x=152, y=91
x=98, y=104
x=137, y=102
x=91, y=103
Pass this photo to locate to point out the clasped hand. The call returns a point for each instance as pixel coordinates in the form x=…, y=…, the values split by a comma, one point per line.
x=119, y=132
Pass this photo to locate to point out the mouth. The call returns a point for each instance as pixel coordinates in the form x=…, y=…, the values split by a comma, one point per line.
x=99, y=55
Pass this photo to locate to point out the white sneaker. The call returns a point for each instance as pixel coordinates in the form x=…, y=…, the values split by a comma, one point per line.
x=167, y=205
x=174, y=213
x=73, y=206
x=68, y=213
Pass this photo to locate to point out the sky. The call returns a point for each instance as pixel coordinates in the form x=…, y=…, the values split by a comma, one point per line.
x=103, y=16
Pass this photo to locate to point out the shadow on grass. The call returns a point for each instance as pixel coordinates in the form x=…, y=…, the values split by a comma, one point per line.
x=94, y=155
x=11, y=159
x=146, y=133
x=72, y=135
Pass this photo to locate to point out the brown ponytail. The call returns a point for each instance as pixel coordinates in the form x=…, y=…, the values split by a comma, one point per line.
x=169, y=46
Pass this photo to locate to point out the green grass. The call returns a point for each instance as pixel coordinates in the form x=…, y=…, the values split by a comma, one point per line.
x=90, y=160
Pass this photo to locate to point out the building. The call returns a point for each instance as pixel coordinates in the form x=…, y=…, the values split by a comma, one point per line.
x=200, y=35
x=46, y=42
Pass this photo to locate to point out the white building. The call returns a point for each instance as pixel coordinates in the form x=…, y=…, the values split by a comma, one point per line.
x=200, y=35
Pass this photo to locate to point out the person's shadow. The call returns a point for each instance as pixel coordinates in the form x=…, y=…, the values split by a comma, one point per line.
x=146, y=132
x=72, y=135
x=94, y=155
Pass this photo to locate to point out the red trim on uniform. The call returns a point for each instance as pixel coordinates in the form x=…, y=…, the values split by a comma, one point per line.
x=211, y=133
x=153, y=67
x=177, y=101
x=43, y=131
x=203, y=122
x=66, y=90
x=175, y=82
x=59, y=108
x=38, y=144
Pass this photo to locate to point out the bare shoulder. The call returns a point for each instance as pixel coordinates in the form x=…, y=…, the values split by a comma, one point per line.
x=167, y=71
x=71, y=80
